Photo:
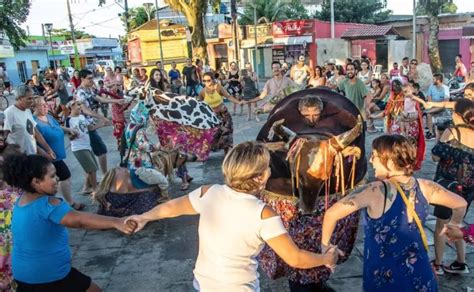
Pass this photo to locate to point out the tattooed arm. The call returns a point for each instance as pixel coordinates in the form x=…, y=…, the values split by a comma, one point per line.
x=367, y=196
x=437, y=195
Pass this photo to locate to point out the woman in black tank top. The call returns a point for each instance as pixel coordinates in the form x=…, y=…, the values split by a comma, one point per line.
x=234, y=87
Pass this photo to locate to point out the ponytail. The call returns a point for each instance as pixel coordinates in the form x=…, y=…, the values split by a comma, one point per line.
x=20, y=169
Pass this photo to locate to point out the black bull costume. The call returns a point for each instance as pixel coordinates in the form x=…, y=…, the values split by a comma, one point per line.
x=319, y=164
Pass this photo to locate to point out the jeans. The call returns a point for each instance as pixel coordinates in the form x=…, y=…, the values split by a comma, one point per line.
x=192, y=90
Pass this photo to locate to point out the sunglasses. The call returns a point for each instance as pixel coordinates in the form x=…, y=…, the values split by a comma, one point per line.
x=207, y=80
x=413, y=63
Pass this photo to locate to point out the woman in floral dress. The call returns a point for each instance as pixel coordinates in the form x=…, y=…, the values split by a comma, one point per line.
x=8, y=197
x=395, y=247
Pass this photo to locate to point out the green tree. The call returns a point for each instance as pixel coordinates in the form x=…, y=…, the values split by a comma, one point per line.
x=267, y=11
x=357, y=11
x=296, y=10
x=433, y=8
x=138, y=16
x=12, y=15
x=66, y=33
x=448, y=7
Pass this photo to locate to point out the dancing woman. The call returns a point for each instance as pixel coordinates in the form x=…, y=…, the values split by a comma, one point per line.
x=395, y=249
x=213, y=94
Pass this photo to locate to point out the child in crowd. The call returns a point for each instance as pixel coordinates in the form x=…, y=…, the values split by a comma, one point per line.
x=118, y=110
x=41, y=259
x=409, y=110
x=395, y=72
x=81, y=145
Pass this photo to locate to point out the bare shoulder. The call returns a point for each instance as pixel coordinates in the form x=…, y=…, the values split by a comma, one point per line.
x=268, y=212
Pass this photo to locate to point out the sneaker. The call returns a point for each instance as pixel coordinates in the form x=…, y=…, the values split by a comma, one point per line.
x=438, y=269
x=429, y=136
x=457, y=268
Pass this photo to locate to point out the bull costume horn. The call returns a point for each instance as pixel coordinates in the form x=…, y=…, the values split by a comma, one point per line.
x=343, y=140
x=282, y=132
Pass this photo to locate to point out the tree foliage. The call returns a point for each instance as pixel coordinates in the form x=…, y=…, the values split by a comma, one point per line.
x=12, y=15
x=66, y=33
x=267, y=11
x=138, y=16
x=447, y=7
x=357, y=11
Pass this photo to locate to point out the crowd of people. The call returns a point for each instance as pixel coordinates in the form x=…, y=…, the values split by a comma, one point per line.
x=34, y=250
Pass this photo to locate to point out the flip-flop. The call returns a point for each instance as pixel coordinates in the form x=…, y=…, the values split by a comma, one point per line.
x=78, y=206
x=184, y=187
x=190, y=179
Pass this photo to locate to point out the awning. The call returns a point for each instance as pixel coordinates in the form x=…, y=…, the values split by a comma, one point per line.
x=370, y=32
x=299, y=40
x=468, y=32
x=6, y=51
x=261, y=43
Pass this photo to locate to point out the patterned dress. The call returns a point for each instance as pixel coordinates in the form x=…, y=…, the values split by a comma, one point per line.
x=8, y=197
x=395, y=258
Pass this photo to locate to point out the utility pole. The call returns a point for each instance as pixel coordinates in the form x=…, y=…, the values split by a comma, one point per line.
x=332, y=19
x=77, y=62
x=255, y=35
x=159, y=31
x=125, y=4
x=414, y=31
x=233, y=13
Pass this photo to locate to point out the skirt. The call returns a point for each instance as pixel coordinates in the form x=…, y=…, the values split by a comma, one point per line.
x=185, y=138
x=224, y=137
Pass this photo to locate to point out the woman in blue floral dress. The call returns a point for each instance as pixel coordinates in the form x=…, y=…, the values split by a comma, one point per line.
x=396, y=206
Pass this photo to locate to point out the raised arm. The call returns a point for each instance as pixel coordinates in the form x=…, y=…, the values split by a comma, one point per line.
x=437, y=195
x=174, y=208
x=366, y=196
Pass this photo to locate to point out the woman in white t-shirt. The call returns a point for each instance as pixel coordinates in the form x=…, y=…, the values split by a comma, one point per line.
x=234, y=225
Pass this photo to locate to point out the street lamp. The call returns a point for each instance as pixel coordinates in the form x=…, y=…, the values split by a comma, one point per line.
x=49, y=28
x=147, y=7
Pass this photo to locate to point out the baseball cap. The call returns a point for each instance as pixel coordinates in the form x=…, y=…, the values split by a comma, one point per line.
x=331, y=62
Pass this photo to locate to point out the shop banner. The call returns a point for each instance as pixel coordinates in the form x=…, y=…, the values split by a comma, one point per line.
x=6, y=51
x=293, y=28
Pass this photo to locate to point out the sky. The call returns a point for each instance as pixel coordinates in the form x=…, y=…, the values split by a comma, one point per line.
x=104, y=21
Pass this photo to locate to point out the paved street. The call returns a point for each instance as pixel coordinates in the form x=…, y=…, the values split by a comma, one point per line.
x=161, y=258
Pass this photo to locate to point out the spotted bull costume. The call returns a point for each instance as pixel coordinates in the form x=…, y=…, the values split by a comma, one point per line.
x=182, y=123
x=317, y=165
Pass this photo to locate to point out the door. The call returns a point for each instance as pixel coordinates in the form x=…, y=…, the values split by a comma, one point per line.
x=21, y=67
x=381, y=53
x=448, y=49
x=34, y=66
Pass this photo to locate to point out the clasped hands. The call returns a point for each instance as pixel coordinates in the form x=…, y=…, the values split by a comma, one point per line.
x=333, y=253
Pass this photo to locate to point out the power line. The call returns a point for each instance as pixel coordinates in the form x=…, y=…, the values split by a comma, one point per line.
x=99, y=23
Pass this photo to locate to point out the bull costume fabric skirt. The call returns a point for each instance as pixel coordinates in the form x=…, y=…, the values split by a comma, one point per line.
x=305, y=230
x=185, y=138
x=224, y=137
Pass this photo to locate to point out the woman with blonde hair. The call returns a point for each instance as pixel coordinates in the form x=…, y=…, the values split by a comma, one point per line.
x=234, y=224
x=397, y=204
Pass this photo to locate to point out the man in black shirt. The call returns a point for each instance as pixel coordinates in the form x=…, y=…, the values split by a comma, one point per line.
x=190, y=78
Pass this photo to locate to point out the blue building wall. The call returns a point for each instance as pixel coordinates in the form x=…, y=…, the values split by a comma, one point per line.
x=27, y=56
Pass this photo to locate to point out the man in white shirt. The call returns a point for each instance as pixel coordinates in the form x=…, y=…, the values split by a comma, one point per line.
x=20, y=127
x=437, y=92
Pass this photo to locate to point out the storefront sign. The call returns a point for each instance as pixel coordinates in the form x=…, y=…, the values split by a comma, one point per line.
x=262, y=31
x=6, y=51
x=105, y=42
x=278, y=55
x=66, y=49
x=225, y=31
x=211, y=31
x=293, y=28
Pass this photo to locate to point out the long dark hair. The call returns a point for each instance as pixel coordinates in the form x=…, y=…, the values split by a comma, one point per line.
x=465, y=109
x=20, y=169
x=158, y=85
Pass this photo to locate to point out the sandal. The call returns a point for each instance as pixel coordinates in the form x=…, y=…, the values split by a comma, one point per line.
x=184, y=186
x=78, y=206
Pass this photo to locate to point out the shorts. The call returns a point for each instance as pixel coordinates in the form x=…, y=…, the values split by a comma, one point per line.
x=98, y=146
x=74, y=281
x=445, y=213
x=64, y=99
x=380, y=104
x=62, y=171
x=7, y=84
x=86, y=160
